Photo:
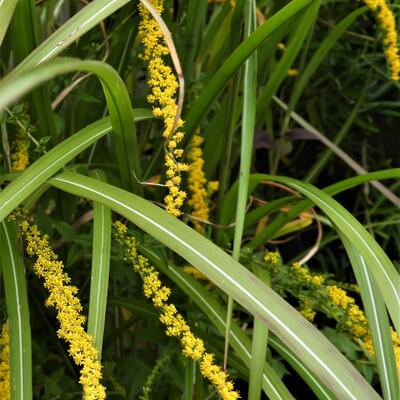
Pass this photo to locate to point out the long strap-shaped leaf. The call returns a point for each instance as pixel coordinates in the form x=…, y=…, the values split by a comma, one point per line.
x=69, y=32
x=47, y=165
x=246, y=151
x=384, y=272
x=101, y=251
x=298, y=334
x=18, y=313
x=275, y=225
x=378, y=322
x=118, y=102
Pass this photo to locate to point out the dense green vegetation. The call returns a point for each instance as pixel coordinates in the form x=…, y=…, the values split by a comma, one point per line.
x=200, y=199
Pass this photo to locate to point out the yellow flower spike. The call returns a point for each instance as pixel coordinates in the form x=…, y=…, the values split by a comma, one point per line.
x=199, y=200
x=20, y=155
x=4, y=363
x=387, y=23
x=63, y=298
x=176, y=326
x=337, y=303
x=163, y=85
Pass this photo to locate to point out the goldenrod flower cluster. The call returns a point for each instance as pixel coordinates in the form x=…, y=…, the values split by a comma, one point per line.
x=193, y=347
x=387, y=23
x=163, y=85
x=63, y=297
x=20, y=154
x=273, y=259
x=4, y=363
x=196, y=183
x=315, y=294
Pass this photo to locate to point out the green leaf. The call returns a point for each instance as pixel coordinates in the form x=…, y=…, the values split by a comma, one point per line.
x=46, y=166
x=118, y=102
x=299, y=335
x=246, y=151
x=101, y=251
x=69, y=32
x=12, y=265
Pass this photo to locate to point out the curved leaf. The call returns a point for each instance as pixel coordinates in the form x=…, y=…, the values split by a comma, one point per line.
x=298, y=334
x=46, y=166
x=118, y=102
x=12, y=265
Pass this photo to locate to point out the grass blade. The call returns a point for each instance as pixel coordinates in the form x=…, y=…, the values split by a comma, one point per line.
x=69, y=32
x=101, y=251
x=46, y=166
x=258, y=349
x=118, y=103
x=18, y=313
x=246, y=150
x=299, y=335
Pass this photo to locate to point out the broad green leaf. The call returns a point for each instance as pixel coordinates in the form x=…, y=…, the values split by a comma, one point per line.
x=299, y=335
